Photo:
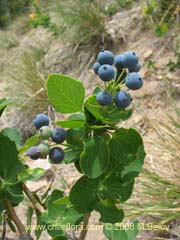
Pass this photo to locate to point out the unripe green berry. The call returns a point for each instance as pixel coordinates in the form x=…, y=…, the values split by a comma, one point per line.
x=44, y=149
x=45, y=132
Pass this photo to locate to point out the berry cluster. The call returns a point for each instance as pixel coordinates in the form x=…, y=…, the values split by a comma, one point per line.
x=57, y=135
x=125, y=74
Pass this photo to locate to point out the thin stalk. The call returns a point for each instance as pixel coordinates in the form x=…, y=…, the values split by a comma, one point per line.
x=85, y=224
x=39, y=208
x=12, y=214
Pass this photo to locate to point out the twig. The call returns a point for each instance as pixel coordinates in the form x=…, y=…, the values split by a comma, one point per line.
x=4, y=224
x=12, y=214
x=39, y=208
x=85, y=224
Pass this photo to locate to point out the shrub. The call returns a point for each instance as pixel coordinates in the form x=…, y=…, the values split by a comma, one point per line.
x=11, y=8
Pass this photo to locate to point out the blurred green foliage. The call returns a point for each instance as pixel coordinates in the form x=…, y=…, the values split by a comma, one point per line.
x=11, y=8
x=161, y=14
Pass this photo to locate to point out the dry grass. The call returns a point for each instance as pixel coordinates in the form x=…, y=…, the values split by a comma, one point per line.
x=157, y=190
x=25, y=83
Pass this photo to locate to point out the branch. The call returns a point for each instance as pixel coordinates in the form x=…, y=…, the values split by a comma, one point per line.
x=4, y=224
x=85, y=224
x=12, y=214
x=39, y=208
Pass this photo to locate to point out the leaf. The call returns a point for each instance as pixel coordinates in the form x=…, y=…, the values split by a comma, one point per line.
x=3, y=104
x=62, y=214
x=30, y=212
x=133, y=232
x=109, y=214
x=95, y=157
x=63, y=201
x=135, y=167
x=75, y=137
x=71, y=156
x=14, y=193
x=112, y=233
x=29, y=143
x=65, y=93
x=118, y=232
x=83, y=194
x=117, y=189
x=124, y=148
x=99, y=112
x=13, y=135
x=74, y=121
x=31, y=174
x=10, y=164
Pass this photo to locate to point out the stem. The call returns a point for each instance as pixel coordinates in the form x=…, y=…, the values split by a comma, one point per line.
x=4, y=225
x=85, y=224
x=39, y=208
x=12, y=214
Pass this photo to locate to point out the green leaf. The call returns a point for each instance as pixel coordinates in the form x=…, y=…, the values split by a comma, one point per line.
x=112, y=233
x=118, y=232
x=62, y=214
x=109, y=214
x=29, y=143
x=55, y=210
x=63, y=201
x=14, y=193
x=60, y=238
x=65, y=93
x=71, y=156
x=13, y=135
x=83, y=194
x=75, y=137
x=74, y=121
x=135, y=167
x=10, y=164
x=116, y=188
x=133, y=232
x=31, y=174
x=95, y=157
x=118, y=115
x=124, y=148
x=30, y=212
x=99, y=112
x=3, y=104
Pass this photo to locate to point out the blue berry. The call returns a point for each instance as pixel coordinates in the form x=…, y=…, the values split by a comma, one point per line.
x=137, y=68
x=33, y=153
x=56, y=155
x=58, y=135
x=106, y=72
x=104, y=98
x=122, y=99
x=45, y=132
x=105, y=57
x=96, y=67
x=118, y=62
x=41, y=120
x=130, y=59
x=134, y=81
x=44, y=149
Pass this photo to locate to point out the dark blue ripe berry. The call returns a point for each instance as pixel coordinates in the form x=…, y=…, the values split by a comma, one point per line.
x=134, y=81
x=137, y=68
x=105, y=57
x=56, y=155
x=122, y=99
x=58, y=135
x=96, y=67
x=104, y=98
x=130, y=59
x=106, y=72
x=41, y=120
x=33, y=152
x=118, y=62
